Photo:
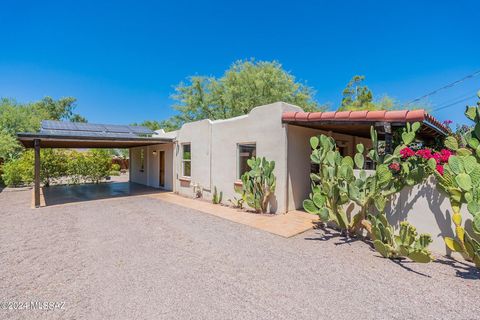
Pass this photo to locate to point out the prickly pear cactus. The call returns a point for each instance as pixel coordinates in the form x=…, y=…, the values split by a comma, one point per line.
x=258, y=184
x=335, y=185
x=461, y=182
x=330, y=184
x=406, y=244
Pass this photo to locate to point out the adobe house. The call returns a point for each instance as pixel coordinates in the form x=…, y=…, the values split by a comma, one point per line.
x=207, y=154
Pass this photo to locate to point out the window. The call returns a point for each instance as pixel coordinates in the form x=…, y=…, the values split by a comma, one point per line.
x=245, y=152
x=186, y=160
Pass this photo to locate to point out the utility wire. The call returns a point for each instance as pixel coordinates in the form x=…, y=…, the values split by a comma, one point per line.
x=472, y=75
x=454, y=103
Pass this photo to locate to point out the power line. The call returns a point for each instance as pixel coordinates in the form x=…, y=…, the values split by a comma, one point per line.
x=465, y=95
x=474, y=74
x=454, y=103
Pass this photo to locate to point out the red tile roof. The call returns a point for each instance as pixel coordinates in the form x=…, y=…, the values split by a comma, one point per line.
x=419, y=115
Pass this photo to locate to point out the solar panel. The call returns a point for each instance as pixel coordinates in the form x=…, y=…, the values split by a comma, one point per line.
x=81, y=129
x=140, y=130
x=89, y=127
x=117, y=128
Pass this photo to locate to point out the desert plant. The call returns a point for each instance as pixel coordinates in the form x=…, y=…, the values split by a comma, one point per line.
x=406, y=244
x=460, y=180
x=335, y=184
x=330, y=184
x=258, y=184
x=236, y=202
x=217, y=197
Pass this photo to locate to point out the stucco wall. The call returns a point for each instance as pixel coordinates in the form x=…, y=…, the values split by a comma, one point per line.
x=214, y=150
x=136, y=175
x=198, y=134
x=428, y=210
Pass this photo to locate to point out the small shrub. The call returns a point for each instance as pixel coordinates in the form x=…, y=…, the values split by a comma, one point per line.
x=217, y=197
x=17, y=172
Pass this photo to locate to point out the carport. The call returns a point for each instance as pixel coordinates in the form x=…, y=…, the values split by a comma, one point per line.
x=58, y=134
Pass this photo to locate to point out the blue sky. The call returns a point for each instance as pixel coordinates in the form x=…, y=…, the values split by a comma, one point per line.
x=121, y=59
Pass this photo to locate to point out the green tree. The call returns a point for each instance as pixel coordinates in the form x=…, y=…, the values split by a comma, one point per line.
x=150, y=124
x=247, y=84
x=16, y=117
x=357, y=97
x=61, y=109
x=78, y=118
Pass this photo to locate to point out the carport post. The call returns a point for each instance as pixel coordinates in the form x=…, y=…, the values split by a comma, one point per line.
x=36, y=145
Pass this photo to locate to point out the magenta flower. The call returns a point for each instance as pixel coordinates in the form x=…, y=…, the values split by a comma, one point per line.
x=438, y=157
x=394, y=167
x=447, y=123
x=440, y=169
x=407, y=153
x=445, y=154
x=424, y=153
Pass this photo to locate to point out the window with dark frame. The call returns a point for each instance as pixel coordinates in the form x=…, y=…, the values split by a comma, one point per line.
x=245, y=152
x=186, y=160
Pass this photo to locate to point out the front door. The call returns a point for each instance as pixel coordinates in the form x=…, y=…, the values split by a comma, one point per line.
x=162, y=169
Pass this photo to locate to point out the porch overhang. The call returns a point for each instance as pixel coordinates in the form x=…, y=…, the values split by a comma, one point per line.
x=70, y=141
x=358, y=123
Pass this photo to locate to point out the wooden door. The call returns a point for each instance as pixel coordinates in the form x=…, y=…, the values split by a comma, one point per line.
x=162, y=169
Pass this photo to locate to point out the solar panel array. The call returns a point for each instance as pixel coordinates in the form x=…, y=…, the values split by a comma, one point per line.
x=64, y=128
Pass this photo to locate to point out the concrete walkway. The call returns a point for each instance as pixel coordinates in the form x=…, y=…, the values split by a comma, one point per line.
x=285, y=225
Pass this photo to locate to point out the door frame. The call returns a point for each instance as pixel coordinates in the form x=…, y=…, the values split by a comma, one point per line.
x=161, y=169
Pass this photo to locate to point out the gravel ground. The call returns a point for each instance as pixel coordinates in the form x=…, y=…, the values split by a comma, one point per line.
x=140, y=258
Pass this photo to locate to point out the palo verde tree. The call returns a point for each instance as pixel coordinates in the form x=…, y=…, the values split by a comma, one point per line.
x=245, y=85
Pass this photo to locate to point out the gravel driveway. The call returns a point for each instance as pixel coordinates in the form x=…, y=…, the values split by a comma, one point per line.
x=141, y=258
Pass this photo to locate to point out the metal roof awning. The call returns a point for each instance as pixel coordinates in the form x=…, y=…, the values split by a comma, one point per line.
x=70, y=141
x=59, y=134
x=358, y=123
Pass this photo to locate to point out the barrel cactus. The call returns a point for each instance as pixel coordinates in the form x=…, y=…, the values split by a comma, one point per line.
x=258, y=184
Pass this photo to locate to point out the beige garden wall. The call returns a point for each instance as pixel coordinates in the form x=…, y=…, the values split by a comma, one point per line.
x=428, y=210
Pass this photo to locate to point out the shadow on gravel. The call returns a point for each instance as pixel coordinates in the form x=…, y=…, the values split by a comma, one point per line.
x=463, y=270
x=329, y=234
x=404, y=264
